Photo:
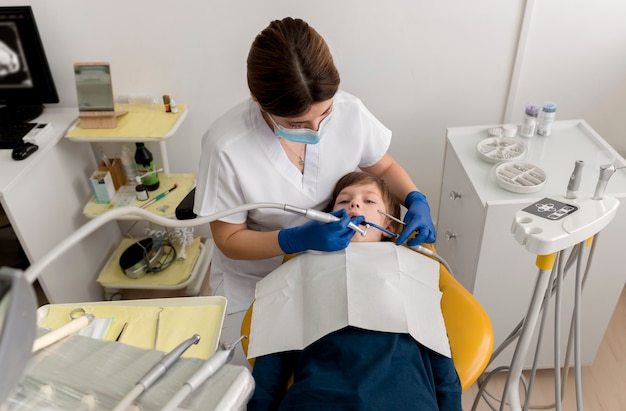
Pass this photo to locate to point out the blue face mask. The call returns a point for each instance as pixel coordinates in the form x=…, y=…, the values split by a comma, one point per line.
x=300, y=135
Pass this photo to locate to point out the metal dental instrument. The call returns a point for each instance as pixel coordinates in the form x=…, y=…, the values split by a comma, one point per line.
x=397, y=220
x=317, y=215
x=156, y=372
x=156, y=332
x=206, y=370
x=384, y=230
x=119, y=336
x=574, y=180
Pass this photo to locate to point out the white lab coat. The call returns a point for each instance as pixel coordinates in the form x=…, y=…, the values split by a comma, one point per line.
x=243, y=162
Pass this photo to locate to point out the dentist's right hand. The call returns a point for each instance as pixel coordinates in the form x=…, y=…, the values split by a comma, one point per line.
x=315, y=235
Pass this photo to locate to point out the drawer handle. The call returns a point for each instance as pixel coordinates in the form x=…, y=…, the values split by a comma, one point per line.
x=450, y=235
x=454, y=195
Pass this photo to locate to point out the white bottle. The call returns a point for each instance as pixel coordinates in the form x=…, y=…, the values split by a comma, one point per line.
x=128, y=160
x=530, y=121
x=546, y=119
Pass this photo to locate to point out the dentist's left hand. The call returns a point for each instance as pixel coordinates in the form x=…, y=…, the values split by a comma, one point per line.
x=418, y=219
x=315, y=235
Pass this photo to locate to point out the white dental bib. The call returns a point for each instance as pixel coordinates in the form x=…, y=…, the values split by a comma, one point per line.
x=375, y=286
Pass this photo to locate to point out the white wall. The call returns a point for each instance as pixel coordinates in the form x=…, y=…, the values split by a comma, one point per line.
x=420, y=66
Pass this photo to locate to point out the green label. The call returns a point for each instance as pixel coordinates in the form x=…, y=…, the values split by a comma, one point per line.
x=149, y=179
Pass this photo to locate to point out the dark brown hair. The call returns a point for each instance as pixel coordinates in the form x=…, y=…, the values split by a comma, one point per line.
x=290, y=68
x=356, y=178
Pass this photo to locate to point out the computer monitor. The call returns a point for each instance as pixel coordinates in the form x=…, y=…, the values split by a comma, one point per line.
x=25, y=79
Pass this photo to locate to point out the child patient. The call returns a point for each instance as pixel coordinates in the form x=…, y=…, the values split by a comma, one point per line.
x=355, y=368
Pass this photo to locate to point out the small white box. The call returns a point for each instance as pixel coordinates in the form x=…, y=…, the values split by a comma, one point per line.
x=102, y=186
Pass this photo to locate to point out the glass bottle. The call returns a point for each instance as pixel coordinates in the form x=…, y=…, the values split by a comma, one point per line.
x=140, y=190
x=145, y=167
x=546, y=119
x=530, y=120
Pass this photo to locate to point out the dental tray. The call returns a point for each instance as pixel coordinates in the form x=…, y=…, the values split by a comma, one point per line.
x=496, y=149
x=520, y=177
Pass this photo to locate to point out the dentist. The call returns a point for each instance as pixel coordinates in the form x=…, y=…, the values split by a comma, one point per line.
x=290, y=142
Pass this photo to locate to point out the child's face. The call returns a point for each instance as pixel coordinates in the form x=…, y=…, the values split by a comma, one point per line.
x=366, y=200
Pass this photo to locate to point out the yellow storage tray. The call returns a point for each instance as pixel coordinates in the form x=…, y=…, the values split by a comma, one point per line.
x=180, y=318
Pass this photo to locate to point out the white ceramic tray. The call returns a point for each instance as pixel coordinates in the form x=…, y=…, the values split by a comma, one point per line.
x=496, y=149
x=520, y=177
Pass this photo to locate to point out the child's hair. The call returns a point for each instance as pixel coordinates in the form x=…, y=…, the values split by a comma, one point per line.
x=354, y=178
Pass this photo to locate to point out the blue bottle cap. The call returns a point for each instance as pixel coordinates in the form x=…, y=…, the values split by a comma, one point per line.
x=549, y=107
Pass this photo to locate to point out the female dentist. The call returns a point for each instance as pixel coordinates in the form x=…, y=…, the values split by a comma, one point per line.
x=290, y=143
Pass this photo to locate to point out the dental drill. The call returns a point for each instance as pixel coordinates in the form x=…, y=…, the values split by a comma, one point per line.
x=156, y=372
x=206, y=370
x=606, y=171
x=321, y=216
x=574, y=180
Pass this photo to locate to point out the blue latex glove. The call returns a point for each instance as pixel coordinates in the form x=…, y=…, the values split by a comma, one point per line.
x=315, y=235
x=418, y=219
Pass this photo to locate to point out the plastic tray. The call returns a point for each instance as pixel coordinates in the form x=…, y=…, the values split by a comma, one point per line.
x=209, y=334
x=520, y=177
x=496, y=149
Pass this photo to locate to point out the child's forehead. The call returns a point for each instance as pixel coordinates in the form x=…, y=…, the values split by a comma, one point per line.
x=367, y=187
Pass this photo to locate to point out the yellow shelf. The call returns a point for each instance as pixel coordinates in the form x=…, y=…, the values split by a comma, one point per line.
x=164, y=207
x=142, y=122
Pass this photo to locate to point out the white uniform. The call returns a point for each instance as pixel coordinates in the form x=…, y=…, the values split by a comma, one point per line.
x=243, y=162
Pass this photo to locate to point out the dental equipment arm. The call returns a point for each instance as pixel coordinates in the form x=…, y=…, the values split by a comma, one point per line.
x=207, y=370
x=156, y=372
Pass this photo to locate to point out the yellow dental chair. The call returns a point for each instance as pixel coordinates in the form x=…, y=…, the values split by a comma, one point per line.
x=468, y=325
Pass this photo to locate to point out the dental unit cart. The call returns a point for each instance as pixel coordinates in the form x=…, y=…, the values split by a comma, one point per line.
x=474, y=232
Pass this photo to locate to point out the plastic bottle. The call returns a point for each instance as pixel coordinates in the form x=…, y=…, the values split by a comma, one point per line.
x=145, y=165
x=546, y=119
x=140, y=190
x=530, y=120
x=129, y=164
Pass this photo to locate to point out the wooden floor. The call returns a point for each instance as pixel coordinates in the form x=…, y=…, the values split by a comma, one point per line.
x=604, y=382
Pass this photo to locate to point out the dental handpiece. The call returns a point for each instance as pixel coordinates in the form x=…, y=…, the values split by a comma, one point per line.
x=156, y=372
x=167, y=361
x=206, y=370
x=606, y=171
x=321, y=216
x=574, y=180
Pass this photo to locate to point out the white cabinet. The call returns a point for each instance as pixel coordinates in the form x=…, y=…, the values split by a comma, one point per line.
x=474, y=232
